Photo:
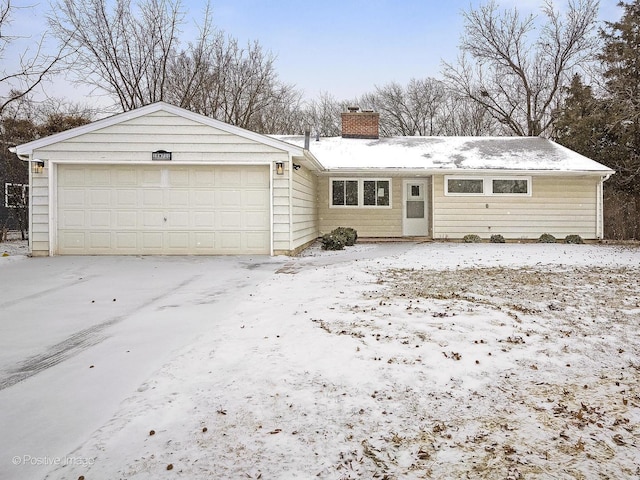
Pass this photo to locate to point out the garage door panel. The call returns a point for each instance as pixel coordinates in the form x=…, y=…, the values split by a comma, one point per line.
x=100, y=219
x=126, y=198
x=178, y=197
x=178, y=240
x=230, y=220
x=255, y=198
x=205, y=240
x=230, y=198
x=124, y=176
x=126, y=219
x=178, y=219
x=152, y=198
x=152, y=240
x=100, y=240
x=126, y=241
x=100, y=198
x=179, y=178
x=203, y=199
x=153, y=219
x=72, y=176
x=255, y=221
x=229, y=177
x=72, y=197
x=123, y=209
x=73, y=240
x=100, y=176
x=203, y=178
x=255, y=239
x=72, y=219
x=256, y=178
x=204, y=220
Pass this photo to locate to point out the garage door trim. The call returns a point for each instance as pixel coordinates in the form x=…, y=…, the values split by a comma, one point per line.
x=53, y=181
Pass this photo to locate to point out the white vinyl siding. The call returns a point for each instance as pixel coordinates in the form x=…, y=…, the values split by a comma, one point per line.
x=305, y=213
x=558, y=205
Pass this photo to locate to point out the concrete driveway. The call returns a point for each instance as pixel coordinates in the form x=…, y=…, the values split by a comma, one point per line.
x=79, y=335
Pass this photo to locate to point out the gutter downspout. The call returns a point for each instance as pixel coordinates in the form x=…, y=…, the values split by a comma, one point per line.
x=600, y=206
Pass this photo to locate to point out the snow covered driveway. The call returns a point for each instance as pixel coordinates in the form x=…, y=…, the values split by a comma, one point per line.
x=384, y=361
x=78, y=335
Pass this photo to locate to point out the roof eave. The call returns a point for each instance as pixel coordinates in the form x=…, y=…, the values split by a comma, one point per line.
x=457, y=171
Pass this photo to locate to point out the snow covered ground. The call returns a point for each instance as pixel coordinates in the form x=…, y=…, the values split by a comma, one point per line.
x=435, y=360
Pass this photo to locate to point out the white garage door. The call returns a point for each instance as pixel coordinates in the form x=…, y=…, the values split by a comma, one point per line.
x=115, y=209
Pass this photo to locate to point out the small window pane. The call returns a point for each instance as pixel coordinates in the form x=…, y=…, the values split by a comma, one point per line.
x=510, y=186
x=351, y=193
x=338, y=192
x=382, y=187
x=459, y=185
x=376, y=192
x=369, y=192
x=415, y=190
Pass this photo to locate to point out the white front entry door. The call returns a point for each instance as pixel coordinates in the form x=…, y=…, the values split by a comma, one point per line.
x=415, y=222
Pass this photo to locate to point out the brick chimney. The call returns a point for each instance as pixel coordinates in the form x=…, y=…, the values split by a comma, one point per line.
x=357, y=124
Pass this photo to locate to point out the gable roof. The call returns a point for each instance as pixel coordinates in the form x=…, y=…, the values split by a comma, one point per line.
x=448, y=154
x=28, y=148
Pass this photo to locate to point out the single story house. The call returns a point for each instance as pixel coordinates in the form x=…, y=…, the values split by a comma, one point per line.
x=163, y=180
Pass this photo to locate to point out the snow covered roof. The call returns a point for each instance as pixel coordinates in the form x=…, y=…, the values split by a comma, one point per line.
x=448, y=153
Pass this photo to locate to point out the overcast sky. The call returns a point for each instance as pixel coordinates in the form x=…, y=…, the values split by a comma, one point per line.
x=344, y=47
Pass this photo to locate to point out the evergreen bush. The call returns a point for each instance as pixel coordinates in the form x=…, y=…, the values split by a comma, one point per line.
x=546, y=238
x=496, y=239
x=574, y=239
x=348, y=233
x=471, y=238
x=333, y=242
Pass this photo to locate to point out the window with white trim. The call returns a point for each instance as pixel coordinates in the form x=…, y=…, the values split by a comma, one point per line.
x=360, y=192
x=501, y=186
x=16, y=195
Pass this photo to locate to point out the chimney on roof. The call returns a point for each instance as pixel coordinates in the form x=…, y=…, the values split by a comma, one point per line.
x=360, y=124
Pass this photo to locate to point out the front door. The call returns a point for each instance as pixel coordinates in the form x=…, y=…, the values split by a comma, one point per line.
x=415, y=221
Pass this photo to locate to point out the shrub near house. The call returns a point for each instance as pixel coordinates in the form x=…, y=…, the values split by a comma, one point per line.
x=339, y=238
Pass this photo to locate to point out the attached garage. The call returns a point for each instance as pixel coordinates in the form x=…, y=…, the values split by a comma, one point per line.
x=117, y=209
x=161, y=180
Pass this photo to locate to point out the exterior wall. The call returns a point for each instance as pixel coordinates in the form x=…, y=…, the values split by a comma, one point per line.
x=295, y=215
x=39, y=214
x=369, y=222
x=559, y=206
x=305, y=212
x=133, y=141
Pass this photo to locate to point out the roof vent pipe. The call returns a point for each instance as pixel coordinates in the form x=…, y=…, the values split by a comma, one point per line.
x=307, y=136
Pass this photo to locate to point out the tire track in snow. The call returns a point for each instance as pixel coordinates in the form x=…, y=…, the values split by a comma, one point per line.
x=46, y=291
x=75, y=343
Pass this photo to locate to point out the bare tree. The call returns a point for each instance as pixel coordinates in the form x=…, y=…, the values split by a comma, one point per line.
x=124, y=50
x=464, y=117
x=323, y=115
x=34, y=64
x=412, y=110
x=517, y=79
